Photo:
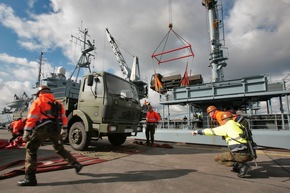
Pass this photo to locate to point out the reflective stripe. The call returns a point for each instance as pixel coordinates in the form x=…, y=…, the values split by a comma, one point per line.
x=238, y=147
x=33, y=116
x=28, y=128
x=212, y=131
x=237, y=138
x=43, y=123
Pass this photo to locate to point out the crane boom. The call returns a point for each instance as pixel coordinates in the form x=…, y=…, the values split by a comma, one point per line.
x=131, y=75
x=122, y=63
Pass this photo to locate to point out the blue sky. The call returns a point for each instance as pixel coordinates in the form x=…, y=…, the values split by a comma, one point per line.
x=256, y=33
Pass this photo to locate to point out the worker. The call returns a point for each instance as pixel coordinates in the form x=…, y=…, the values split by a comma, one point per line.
x=152, y=119
x=16, y=129
x=216, y=114
x=40, y=125
x=239, y=151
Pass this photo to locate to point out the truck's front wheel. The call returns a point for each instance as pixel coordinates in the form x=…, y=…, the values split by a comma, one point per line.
x=117, y=139
x=79, y=139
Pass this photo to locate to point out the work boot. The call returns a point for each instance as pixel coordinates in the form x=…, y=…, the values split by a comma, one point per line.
x=244, y=170
x=29, y=180
x=236, y=167
x=78, y=167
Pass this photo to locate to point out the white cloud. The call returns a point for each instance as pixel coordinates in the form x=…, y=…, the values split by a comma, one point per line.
x=13, y=60
x=257, y=34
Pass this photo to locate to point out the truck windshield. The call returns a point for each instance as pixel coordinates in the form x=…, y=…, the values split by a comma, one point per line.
x=120, y=87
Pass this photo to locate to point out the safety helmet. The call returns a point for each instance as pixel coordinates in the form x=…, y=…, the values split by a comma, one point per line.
x=42, y=88
x=210, y=109
x=226, y=115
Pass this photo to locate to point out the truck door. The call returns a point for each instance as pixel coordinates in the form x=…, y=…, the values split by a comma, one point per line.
x=91, y=98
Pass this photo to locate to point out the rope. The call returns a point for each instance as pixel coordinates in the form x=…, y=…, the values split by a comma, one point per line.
x=125, y=49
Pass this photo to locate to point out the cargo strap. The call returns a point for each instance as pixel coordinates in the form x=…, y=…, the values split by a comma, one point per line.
x=48, y=164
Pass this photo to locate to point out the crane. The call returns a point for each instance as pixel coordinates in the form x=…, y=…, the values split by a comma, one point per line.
x=133, y=74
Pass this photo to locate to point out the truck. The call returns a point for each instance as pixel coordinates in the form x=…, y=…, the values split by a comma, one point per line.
x=100, y=105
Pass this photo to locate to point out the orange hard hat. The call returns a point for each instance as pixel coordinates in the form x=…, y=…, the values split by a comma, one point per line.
x=226, y=115
x=42, y=88
x=210, y=109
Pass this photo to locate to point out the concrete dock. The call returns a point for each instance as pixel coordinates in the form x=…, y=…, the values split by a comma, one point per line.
x=141, y=169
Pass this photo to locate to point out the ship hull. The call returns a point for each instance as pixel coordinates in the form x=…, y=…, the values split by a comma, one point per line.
x=264, y=138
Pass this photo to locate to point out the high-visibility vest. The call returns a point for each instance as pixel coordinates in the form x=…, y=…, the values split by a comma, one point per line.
x=36, y=114
x=218, y=116
x=152, y=117
x=232, y=133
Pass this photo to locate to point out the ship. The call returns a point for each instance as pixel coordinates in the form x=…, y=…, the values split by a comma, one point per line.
x=243, y=95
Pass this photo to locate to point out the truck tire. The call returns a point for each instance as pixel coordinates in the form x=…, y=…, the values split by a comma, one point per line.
x=78, y=138
x=117, y=139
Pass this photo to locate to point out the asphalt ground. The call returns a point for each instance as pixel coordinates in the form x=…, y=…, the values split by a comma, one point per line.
x=136, y=168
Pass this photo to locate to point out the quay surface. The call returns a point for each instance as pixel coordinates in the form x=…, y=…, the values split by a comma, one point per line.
x=136, y=168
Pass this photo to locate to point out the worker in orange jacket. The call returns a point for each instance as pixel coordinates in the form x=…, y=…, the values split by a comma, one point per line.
x=39, y=126
x=152, y=118
x=216, y=115
x=16, y=128
x=239, y=150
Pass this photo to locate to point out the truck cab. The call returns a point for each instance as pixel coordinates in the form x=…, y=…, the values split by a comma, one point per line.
x=107, y=105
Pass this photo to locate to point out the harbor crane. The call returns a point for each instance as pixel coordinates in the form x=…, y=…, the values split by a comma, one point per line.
x=129, y=74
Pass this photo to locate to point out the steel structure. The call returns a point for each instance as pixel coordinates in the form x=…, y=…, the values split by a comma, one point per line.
x=244, y=93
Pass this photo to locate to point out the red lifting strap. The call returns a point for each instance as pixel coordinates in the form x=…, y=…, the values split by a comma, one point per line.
x=188, y=46
x=46, y=165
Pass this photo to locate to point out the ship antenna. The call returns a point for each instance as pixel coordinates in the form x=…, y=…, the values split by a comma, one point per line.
x=40, y=59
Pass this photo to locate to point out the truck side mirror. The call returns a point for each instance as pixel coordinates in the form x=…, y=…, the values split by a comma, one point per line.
x=90, y=80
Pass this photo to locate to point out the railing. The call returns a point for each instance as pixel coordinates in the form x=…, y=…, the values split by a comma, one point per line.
x=267, y=122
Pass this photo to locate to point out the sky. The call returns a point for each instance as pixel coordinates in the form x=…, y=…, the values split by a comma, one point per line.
x=257, y=35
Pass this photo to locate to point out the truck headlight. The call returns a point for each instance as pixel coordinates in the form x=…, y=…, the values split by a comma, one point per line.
x=112, y=128
x=139, y=129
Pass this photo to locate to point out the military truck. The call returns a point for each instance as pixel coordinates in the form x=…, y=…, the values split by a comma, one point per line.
x=102, y=104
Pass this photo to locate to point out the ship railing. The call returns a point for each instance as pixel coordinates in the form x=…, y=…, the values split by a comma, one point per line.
x=267, y=122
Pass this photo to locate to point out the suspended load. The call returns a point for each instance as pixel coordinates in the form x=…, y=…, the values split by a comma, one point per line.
x=161, y=83
x=173, y=47
x=183, y=51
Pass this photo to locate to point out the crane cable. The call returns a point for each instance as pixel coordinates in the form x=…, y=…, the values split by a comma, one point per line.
x=124, y=48
x=186, y=45
x=170, y=14
x=157, y=83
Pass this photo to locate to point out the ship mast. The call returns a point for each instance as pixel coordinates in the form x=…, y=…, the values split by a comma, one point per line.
x=37, y=84
x=84, y=60
x=216, y=33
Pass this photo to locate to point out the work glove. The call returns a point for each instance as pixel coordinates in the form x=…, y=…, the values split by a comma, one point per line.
x=26, y=135
x=195, y=132
x=63, y=133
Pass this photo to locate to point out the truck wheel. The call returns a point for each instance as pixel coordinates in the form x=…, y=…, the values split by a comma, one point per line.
x=79, y=139
x=117, y=139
